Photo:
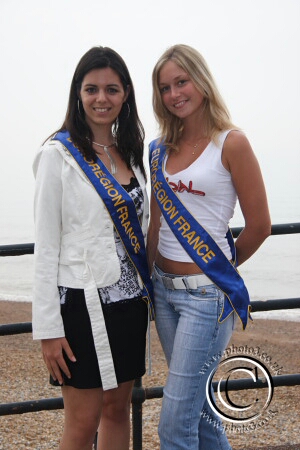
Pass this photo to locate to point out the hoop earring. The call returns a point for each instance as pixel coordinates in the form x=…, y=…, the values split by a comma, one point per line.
x=78, y=106
x=128, y=107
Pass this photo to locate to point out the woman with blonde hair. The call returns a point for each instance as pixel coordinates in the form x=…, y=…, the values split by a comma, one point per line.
x=200, y=166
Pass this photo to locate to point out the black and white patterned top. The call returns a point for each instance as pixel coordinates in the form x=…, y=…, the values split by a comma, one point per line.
x=127, y=286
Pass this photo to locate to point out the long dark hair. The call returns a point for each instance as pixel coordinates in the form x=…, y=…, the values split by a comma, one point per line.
x=127, y=129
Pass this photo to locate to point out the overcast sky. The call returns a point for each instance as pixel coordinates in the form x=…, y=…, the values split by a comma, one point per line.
x=251, y=46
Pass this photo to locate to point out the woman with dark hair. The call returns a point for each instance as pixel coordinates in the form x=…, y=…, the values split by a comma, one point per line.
x=92, y=289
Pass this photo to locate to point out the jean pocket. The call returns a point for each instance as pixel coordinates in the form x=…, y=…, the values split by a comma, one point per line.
x=202, y=293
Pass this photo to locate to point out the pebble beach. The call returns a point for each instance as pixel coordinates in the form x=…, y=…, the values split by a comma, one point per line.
x=23, y=377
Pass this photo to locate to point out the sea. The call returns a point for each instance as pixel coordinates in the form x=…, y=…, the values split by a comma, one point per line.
x=272, y=273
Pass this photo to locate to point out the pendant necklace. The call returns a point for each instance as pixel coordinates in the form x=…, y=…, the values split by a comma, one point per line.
x=112, y=161
x=194, y=146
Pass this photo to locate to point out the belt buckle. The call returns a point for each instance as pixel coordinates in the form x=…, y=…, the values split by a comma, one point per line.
x=191, y=282
x=168, y=283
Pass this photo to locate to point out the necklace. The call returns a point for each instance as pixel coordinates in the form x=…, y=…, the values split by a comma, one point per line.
x=111, y=159
x=105, y=147
x=194, y=146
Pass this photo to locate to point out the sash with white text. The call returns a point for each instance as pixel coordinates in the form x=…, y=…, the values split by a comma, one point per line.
x=197, y=242
x=122, y=210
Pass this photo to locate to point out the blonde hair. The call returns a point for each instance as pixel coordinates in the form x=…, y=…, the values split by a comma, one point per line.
x=216, y=114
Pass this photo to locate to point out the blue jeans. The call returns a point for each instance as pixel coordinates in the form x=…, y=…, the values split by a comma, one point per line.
x=193, y=341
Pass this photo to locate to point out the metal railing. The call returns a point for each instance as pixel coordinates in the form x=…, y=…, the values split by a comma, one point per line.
x=140, y=393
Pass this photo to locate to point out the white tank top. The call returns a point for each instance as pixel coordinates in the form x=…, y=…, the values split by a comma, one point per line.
x=207, y=191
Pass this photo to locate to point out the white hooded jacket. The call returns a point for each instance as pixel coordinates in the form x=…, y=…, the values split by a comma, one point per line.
x=74, y=240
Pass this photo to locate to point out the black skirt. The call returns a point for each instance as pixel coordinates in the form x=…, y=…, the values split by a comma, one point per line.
x=126, y=323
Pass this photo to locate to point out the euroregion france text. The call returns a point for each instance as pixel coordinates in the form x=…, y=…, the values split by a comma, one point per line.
x=118, y=200
x=182, y=225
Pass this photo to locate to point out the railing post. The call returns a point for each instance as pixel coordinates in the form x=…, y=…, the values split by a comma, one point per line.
x=137, y=419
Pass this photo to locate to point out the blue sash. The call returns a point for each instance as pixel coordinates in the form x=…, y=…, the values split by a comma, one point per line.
x=121, y=208
x=196, y=241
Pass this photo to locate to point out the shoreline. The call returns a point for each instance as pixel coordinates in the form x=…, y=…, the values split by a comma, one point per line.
x=24, y=377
